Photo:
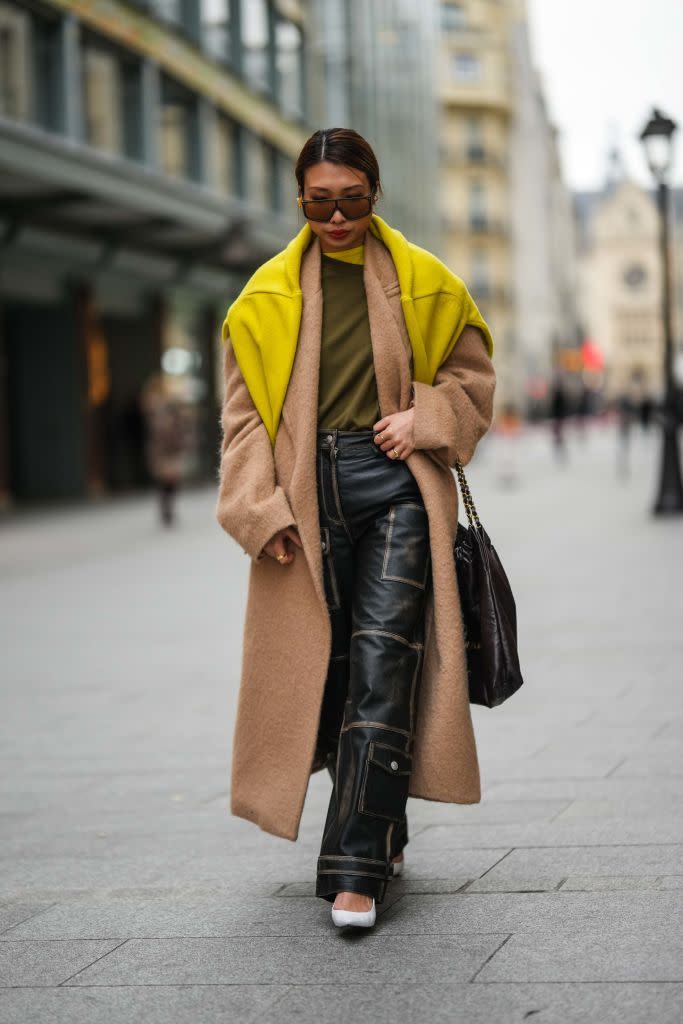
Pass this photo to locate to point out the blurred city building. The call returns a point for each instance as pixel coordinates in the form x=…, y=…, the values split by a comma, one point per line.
x=372, y=66
x=146, y=166
x=620, y=280
x=507, y=214
x=147, y=153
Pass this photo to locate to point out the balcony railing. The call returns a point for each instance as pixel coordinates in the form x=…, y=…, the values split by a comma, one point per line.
x=477, y=225
x=475, y=154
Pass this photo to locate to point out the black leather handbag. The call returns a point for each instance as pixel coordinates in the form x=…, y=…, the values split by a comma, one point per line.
x=488, y=611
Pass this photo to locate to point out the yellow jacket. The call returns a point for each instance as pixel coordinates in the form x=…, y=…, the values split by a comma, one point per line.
x=263, y=321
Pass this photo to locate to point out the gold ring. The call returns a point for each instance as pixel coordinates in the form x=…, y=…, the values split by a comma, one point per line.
x=381, y=437
x=280, y=557
x=397, y=453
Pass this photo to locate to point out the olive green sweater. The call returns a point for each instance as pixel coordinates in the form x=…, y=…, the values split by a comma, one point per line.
x=347, y=390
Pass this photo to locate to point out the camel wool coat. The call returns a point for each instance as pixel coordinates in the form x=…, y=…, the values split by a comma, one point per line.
x=287, y=631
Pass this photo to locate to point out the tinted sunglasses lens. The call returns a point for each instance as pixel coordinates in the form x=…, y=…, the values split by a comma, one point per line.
x=354, y=208
x=319, y=211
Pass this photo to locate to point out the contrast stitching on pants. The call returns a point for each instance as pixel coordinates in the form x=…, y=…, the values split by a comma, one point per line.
x=345, y=871
x=387, y=539
x=405, y=579
x=348, y=856
x=388, y=746
x=412, y=689
x=340, y=657
x=321, y=474
x=387, y=548
x=335, y=485
x=374, y=725
x=387, y=632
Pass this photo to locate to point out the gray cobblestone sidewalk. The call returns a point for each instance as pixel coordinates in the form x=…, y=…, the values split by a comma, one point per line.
x=128, y=893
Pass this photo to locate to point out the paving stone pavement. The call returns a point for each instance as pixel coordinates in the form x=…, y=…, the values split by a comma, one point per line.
x=127, y=891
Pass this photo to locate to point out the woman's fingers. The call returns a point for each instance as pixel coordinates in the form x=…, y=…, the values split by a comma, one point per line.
x=278, y=545
x=293, y=534
x=278, y=550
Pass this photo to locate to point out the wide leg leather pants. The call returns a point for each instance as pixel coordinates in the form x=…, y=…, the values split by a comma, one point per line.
x=374, y=535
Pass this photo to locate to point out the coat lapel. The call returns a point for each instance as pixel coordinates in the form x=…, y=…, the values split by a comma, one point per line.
x=300, y=414
x=392, y=352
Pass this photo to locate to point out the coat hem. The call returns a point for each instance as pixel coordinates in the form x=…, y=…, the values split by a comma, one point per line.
x=250, y=814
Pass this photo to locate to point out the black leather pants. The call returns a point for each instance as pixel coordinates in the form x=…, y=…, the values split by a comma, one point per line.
x=377, y=570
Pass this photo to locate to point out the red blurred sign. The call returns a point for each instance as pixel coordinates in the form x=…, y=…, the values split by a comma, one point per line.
x=593, y=358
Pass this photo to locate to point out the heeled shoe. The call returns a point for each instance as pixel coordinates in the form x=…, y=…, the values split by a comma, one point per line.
x=397, y=867
x=355, y=918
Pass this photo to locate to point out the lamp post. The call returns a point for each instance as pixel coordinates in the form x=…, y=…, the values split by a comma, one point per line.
x=657, y=138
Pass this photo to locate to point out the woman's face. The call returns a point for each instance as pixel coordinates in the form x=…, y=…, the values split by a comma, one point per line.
x=326, y=180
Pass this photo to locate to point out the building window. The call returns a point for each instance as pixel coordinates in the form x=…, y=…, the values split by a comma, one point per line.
x=635, y=276
x=102, y=99
x=478, y=205
x=285, y=184
x=225, y=151
x=112, y=99
x=453, y=17
x=15, y=81
x=217, y=29
x=46, y=71
x=473, y=127
x=182, y=14
x=466, y=67
x=179, y=130
x=289, y=67
x=475, y=139
x=480, y=273
x=256, y=47
x=168, y=10
x=260, y=172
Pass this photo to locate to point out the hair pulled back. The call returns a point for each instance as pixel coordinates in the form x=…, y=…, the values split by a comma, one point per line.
x=340, y=146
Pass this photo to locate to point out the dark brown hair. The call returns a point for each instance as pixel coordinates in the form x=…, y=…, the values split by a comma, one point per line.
x=339, y=146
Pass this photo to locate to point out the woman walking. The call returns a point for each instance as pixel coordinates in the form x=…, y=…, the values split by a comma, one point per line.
x=357, y=372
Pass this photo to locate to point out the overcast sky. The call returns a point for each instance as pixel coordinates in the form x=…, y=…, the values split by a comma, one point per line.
x=604, y=64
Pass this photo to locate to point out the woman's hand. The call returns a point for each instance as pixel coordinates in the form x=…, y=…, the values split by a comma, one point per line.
x=396, y=431
x=281, y=544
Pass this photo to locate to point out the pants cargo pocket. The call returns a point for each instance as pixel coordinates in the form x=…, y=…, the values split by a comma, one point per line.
x=384, y=790
x=406, y=547
x=329, y=574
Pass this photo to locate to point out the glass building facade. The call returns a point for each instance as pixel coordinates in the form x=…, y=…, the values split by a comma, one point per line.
x=146, y=168
x=372, y=66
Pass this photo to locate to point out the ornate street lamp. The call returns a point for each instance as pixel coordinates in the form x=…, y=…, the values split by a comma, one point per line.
x=657, y=138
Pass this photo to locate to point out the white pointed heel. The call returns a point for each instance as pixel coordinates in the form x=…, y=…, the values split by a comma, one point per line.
x=355, y=918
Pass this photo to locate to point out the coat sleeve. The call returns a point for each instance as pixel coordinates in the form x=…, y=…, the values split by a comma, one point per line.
x=453, y=413
x=251, y=505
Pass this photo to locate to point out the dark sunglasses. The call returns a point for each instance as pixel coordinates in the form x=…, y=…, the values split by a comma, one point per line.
x=352, y=207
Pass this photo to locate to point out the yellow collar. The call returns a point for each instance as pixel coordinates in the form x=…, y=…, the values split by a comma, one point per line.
x=355, y=255
x=263, y=322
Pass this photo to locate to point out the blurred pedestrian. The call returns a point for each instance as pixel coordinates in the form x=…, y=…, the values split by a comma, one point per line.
x=347, y=452
x=165, y=441
x=645, y=409
x=584, y=408
x=559, y=408
x=626, y=414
